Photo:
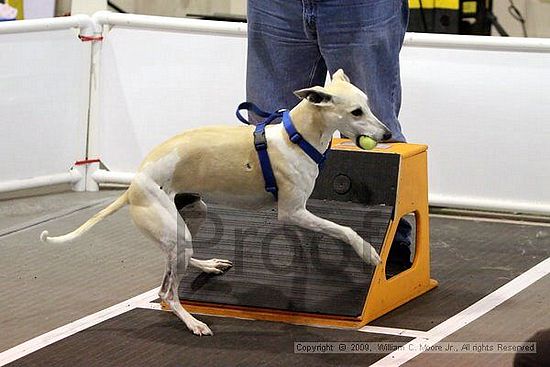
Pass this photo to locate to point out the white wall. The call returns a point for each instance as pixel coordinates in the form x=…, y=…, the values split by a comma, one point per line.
x=178, y=81
x=34, y=9
x=180, y=8
x=483, y=111
x=44, y=93
x=535, y=12
x=538, y=18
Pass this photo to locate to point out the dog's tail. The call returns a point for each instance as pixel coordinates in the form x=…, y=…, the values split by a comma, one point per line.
x=116, y=205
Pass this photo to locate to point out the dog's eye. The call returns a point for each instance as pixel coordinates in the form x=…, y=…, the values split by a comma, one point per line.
x=357, y=112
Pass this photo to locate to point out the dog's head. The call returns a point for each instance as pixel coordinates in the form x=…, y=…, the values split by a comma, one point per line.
x=345, y=108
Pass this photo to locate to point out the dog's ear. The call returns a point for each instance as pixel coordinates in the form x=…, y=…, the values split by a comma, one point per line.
x=317, y=95
x=340, y=75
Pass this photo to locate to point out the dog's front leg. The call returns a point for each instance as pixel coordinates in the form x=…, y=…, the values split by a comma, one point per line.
x=305, y=219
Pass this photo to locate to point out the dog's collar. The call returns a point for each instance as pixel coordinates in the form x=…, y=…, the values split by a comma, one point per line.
x=260, y=142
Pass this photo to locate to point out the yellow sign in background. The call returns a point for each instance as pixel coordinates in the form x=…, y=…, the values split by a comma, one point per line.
x=435, y=4
x=17, y=4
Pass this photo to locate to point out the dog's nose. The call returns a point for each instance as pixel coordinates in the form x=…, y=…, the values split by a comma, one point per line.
x=387, y=136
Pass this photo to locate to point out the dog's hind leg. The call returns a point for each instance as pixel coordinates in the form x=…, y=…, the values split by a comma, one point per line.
x=165, y=282
x=172, y=296
x=193, y=211
x=156, y=215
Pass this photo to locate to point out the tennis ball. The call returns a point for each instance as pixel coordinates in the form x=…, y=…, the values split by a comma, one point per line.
x=366, y=143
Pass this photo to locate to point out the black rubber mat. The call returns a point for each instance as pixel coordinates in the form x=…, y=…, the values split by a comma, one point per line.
x=155, y=338
x=286, y=267
x=357, y=177
x=470, y=259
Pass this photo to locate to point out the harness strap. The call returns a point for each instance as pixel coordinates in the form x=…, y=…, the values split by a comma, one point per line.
x=298, y=139
x=260, y=142
x=249, y=106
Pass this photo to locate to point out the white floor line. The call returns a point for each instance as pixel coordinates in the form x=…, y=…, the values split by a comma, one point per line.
x=463, y=318
x=74, y=327
x=150, y=306
x=491, y=220
x=394, y=331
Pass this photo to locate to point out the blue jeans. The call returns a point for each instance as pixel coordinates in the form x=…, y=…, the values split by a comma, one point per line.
x=293, y=43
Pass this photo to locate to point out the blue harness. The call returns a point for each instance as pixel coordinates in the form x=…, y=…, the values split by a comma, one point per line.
x=260, y=141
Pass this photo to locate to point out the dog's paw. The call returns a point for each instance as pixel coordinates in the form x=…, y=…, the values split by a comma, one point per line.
x=44, y=236
x=199, y=328
x=216, y=266
x=369, y=254
x=375, y=258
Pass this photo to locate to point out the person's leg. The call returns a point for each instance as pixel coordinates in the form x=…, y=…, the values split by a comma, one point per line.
x=364, y=38
x=399, y=257
x=283, y=55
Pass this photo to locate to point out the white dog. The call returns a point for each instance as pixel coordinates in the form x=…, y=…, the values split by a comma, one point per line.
x=221, y=163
